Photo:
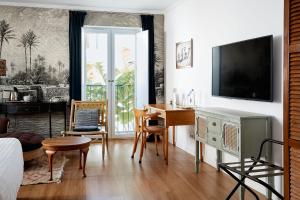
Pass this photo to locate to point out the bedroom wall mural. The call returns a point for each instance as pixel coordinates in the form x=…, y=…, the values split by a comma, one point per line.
x=34, y=45
x=34, y=42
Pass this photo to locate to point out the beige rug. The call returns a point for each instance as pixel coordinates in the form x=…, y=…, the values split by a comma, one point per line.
x=36, y=171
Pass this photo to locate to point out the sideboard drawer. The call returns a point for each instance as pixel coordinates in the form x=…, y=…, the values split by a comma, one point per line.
x=214, y=125
x=214, y=140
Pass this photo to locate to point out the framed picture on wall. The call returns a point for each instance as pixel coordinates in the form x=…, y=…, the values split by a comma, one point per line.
x=184, y=54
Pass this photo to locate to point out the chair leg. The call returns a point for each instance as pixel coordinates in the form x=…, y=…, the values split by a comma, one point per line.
x=155, y=139
x=142, y=146
x=106, y=142
x=146, y=139
x=163, y=145
x=135, y=141
x=103, y=146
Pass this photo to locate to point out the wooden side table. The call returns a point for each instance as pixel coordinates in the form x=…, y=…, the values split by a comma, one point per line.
x=52, y=145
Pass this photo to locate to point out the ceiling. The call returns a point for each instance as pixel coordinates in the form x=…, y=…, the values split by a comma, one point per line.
x=151, y=6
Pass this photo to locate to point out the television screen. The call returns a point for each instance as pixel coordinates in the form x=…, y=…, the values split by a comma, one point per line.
x=243, y=69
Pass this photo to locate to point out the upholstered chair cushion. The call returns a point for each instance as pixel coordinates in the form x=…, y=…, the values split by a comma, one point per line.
x=86, y=120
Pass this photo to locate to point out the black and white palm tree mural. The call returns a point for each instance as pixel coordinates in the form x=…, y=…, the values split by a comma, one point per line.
x=6, y=34
x=24, y=43
x=32, y=41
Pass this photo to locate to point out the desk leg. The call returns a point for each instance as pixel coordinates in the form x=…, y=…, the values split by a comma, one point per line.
x=166, y=144
x=85, y=152
x=50, y=128
x=201, y=151
x=50, y=155
x=199, y=154
x=174, y=142
x=65, y=118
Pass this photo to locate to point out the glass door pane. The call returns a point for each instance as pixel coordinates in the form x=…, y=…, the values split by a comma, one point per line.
x=124, y=81
x=96, y=65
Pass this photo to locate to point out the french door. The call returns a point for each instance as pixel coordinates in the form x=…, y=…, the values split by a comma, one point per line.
x=109, y=73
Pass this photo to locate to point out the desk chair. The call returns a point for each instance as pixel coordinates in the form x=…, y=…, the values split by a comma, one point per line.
x=81, y=113
x=142, y=128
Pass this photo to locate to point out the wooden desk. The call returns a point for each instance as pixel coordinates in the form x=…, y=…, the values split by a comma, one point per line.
x=172, y=117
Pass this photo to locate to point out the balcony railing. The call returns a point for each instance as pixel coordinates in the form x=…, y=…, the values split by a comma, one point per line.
x=124, y=103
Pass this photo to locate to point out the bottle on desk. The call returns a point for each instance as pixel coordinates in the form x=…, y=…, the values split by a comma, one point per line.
x=174, y=99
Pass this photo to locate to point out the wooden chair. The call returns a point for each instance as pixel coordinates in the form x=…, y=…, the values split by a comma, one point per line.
x=102, y=133
x=142, y=128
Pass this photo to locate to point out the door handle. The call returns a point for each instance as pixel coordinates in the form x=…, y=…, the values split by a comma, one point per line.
x=111, y=81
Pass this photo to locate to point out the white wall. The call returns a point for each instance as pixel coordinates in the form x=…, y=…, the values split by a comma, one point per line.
x=217, y=22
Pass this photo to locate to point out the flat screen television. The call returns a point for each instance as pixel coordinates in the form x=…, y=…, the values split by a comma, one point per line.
x=243, y=69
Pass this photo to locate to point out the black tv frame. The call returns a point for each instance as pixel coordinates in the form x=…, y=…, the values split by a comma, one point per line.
x=271, y=72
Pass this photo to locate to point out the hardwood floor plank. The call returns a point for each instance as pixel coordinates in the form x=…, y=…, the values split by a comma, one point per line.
x=120, y=177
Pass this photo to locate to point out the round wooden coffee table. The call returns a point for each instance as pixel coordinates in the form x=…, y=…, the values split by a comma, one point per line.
x=52, y=145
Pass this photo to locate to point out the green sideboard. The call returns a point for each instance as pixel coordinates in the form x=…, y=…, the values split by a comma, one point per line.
x=235, y=132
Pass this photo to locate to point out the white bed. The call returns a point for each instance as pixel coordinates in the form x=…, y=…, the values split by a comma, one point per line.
x=11, y=168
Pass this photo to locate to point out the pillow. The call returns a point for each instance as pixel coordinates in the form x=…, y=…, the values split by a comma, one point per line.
x=86, y=118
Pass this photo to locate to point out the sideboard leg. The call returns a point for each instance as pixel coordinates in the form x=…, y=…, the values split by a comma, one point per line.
x=197, y=156
x=219, y=158
x=242, y=189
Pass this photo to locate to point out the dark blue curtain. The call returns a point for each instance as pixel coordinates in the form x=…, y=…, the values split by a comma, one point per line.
x=147, y=24
x=76, y=20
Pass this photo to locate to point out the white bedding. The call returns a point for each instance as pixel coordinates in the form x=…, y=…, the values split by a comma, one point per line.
x=11, y=168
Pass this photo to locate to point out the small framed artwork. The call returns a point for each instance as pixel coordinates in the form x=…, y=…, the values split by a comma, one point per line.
x=184, y=54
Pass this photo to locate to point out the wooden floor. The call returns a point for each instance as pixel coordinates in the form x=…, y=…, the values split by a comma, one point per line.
x=120, y=177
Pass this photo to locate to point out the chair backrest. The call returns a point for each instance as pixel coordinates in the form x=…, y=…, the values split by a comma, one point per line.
x=139, y=115
x=100, y=105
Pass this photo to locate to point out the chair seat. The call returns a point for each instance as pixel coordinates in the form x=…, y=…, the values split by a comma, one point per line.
x=77, y=133
x=86, y=128
x=154, y=129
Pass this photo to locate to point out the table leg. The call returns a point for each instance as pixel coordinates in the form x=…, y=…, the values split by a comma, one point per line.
x=80, y=159
x=166, y=144
x=50, y=155
x=174, y=142
x=85, y=152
